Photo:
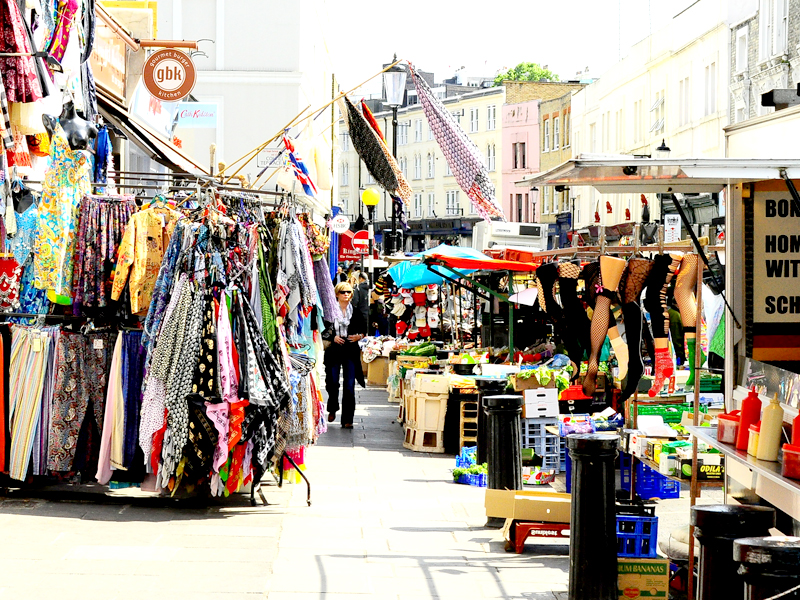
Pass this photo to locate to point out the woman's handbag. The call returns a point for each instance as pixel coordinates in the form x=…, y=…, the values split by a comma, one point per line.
x=327, y=336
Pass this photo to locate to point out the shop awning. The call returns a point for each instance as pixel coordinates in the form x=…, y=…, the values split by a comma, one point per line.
x=618, y=173
x=150, y=142
x=407, y=275
x=480, y=264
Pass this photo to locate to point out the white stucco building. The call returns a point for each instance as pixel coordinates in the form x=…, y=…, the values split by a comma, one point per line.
x=673, y=86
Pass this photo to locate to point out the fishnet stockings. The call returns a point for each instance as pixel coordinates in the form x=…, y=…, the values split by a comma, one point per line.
x=685, y=284
x=635, y=277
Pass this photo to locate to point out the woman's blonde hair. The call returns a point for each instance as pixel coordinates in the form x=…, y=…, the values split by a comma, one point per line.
x=343, y=286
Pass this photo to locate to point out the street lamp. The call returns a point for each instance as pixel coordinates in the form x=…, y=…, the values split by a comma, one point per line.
x=394, y=85
x=370, y=198
x=663, y=150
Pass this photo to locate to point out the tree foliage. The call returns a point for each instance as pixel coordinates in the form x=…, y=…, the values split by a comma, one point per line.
x=526, y=71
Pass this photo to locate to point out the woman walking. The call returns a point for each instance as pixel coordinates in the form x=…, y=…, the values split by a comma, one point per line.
x=343, y=356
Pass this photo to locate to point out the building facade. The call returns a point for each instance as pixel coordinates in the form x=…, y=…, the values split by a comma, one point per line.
x=522, y=142
x=671, y=88
x=439, y=210
x=258, y=82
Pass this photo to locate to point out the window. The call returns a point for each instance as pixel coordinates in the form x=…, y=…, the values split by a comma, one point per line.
x=431, y=204
x=447, y=170
x=491, y=153
x=619, y=133
x=370, y=178
x=452, y=202
x=418, y=167
x=345, y=174
x=556, y=133
x=711, y=90
x=491, y=117
x=345, y=202
x=773, y=33
x=473, y=120
x=546, y=142
x=430, y=133
x=431, y=165
x=418, y=205
x=683, y=102
x=518, y=151
x=418, y=130
x=657, y=111
x=345, y=142
x=402, y=133
x=593, y=137
x=519, y=208
x=566, y=130
x=637, y=121
x=548, y=191
x=607, y=130
x=741, y=50
x=527, y=210
x=404, y=166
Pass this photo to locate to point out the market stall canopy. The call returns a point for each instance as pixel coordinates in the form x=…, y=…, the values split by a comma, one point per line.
x=482, y=263
x=150, y=142
x=407, y=275
x=620, y=173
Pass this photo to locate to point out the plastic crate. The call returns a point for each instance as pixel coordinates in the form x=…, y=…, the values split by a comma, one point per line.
x=649, y=483
x=671, y=413
x=544, y=444
x=637, y=537
x=568, y=472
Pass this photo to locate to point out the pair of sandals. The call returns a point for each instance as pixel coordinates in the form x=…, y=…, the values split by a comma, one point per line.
x=332, y=418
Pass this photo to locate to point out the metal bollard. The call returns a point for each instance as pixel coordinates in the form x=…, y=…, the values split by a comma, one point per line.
x=715, y=529
x=487, y=387
x=504, y=441
x=593, y=525
x=770, y=566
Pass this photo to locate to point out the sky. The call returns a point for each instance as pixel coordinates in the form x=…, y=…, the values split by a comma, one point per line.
x=441, y=35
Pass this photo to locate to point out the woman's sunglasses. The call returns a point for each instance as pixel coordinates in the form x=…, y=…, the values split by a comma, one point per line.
x=345, y=293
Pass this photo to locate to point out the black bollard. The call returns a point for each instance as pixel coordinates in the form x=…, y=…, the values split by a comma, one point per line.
x=504, y=439
x=593, y=526
x=770, y=566
x=715, y=528
x=487, y=386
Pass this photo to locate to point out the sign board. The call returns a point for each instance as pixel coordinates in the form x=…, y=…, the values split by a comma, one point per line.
x=169, y=75
x=672, y=228
x=361, y=241
x=197, y=115
x=108, y=61
x=266, y=157
x=339, y=224
x=776, y=275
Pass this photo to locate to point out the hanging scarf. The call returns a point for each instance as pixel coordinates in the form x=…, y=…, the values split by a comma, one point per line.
x=460, y=152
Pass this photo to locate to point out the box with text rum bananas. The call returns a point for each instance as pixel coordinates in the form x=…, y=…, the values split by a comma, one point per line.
x=642, y=578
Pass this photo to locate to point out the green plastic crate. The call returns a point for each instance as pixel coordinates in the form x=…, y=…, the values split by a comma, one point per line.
x=671, y=413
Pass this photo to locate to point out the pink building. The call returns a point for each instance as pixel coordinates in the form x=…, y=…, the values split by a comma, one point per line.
x=520, y=157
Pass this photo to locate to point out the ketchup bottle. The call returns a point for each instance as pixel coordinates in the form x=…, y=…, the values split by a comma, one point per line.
x=796, y=431
x=751, y=413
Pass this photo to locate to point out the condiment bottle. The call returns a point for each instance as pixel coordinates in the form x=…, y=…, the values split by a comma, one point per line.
x=770, y=437
x=752, y=439
x=796, y=431
x=751, y=412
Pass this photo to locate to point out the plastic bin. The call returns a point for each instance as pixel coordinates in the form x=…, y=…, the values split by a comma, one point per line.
x=649, y=483
x=637, y=536
x=671, y=413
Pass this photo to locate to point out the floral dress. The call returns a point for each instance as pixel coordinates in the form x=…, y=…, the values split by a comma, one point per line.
x=67, y=181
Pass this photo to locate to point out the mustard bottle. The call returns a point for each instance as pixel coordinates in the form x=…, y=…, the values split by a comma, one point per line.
x=769, y=440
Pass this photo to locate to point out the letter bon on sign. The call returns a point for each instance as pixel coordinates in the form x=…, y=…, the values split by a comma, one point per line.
x=169, y=75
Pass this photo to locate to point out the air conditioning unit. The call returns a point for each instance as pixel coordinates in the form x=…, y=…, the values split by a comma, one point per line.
x=496, y=233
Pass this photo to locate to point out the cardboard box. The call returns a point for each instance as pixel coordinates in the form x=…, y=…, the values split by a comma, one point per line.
x=709, y=468
x=378, y=371
x=528, y=505
x=432, y=384
x=668, y=464
x=531, y=383
x=642, y=578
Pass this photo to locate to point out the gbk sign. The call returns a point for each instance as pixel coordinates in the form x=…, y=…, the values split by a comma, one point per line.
x=169, y=75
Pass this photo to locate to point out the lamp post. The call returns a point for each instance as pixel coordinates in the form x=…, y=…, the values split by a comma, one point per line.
x=394, y=85
x=662, y=152
x=370, y=197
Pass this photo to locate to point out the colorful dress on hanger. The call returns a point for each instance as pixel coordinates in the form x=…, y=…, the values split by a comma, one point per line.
x=18, y=72
x=67, y=181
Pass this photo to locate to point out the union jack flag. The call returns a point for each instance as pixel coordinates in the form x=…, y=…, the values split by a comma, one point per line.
x=299, y=169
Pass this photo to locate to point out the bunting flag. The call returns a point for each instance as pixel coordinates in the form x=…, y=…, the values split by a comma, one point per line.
x=371, y=120
x=299, y=169
x=460, y=152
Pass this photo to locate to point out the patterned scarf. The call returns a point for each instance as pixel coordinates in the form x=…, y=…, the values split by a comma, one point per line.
x=460, y=152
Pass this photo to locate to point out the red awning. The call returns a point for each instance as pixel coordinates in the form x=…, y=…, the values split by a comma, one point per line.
x=487, y=264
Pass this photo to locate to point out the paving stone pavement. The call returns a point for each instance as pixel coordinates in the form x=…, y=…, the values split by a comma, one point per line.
x=384, y=523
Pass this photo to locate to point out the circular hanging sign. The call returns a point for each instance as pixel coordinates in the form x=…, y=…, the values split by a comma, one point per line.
x=339, y=224
x=169, y=75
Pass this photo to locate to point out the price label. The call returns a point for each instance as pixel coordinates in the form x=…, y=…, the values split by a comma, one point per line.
x=97, y=343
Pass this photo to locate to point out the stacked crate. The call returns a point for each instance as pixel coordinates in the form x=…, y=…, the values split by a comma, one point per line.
x=426, y=406
x=541, y=411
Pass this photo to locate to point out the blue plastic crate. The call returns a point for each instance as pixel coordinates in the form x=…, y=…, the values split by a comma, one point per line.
x=649, y=483
x=637, y=537
x=568, y=471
